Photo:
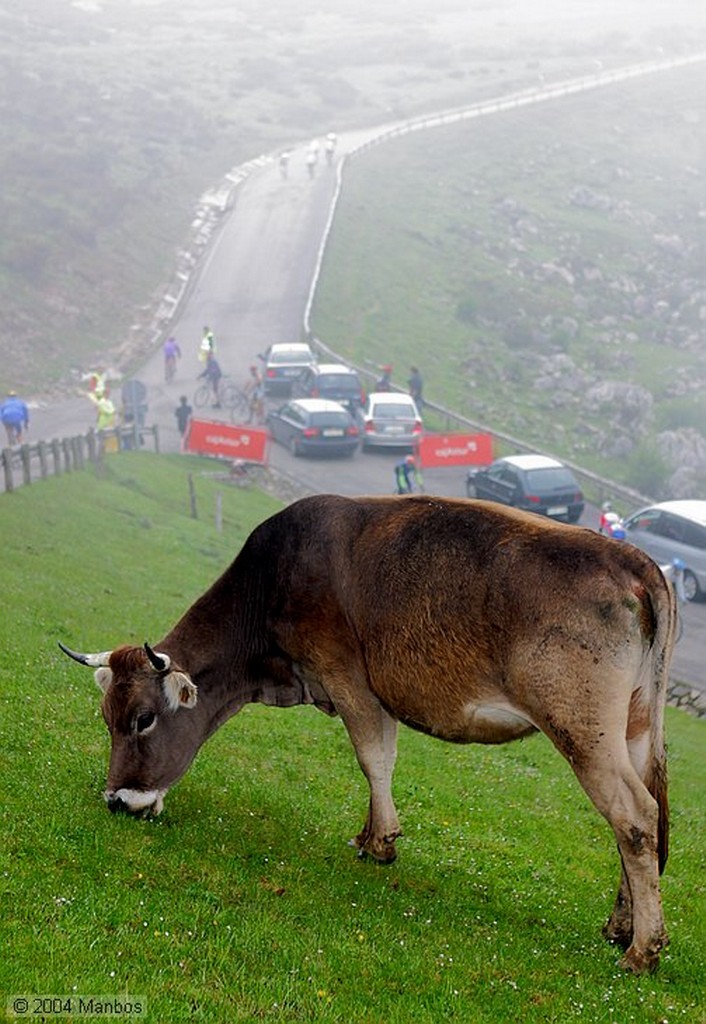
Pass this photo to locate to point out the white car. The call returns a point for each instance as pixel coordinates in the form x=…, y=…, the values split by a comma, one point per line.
x=674, y=529
x=391, y=420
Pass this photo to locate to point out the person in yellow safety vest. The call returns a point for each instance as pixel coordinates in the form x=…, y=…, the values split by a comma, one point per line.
x=106, y=416
x=208, y=345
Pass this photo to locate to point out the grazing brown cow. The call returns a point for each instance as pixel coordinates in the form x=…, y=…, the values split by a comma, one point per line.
x=464, y=619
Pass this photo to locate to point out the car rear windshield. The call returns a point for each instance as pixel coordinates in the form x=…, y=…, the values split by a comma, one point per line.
x=339, y=382
x=277, y=358
x=392, y=411
x=543, y=480
x=329, y=419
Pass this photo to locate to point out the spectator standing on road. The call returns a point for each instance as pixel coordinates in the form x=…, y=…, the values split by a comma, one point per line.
x=284, y=163
x=604, y=521
x=385, y=382
x=208, y=345
x=255, y=390
x=213, y=374
x=311, y=158
x=172, y=352
x=15, y=417
x=416, y=385
x=183, y=414
x=106, y=417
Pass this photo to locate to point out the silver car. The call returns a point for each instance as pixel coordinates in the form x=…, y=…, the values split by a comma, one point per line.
x=391, y=420
x=674, y=529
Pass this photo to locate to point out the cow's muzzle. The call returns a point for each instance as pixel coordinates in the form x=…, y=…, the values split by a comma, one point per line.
x=139, y=803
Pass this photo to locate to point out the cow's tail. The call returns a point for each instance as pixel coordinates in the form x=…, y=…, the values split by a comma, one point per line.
x=659, y=626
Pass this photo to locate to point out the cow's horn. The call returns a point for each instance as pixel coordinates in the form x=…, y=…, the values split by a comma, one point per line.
x=159, y=661
x=93, y=660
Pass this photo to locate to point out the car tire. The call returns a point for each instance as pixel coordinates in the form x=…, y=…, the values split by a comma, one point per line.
x=692, y=591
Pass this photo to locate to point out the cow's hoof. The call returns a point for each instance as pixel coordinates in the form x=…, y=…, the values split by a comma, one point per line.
x=383, y=852
x=643, y=961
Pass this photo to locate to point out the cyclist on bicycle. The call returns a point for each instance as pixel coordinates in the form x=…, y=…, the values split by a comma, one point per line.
x=213, y=374
x=15, y=417
x=172, y=352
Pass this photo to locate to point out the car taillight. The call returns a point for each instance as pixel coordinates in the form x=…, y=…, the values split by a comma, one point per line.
x=271, y=373
x=578, y=496
x=310, y=432
x=315, y=392
x=417, y=429
x=352, y=430
x=369, y=426
x=534, y=498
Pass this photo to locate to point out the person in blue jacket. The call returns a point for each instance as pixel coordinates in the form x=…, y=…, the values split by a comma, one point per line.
x=15, y=417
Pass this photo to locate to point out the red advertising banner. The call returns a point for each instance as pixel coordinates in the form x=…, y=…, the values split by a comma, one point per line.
x=208, y=437
x=455, y=450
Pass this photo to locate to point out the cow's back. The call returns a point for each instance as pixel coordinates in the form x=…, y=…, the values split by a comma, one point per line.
x=443, y=603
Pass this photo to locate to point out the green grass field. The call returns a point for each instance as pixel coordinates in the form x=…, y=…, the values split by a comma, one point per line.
x=242, y=902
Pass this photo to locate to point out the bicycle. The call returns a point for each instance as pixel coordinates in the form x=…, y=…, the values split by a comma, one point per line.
x=203, y=396
x=234, y=400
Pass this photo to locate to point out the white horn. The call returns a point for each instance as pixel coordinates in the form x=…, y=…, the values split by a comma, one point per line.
x=92, y=660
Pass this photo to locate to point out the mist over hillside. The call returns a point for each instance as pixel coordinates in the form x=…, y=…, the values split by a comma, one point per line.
x=118, y=114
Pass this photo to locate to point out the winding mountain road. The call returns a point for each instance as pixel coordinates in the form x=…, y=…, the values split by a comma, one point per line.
x=254, y=285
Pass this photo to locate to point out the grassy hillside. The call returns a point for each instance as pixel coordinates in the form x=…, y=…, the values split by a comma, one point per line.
x=118, y=114
x=242, y=902
x=544, y=269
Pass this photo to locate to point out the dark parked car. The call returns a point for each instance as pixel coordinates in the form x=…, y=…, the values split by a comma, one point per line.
x=331, y=380
x=674, y=529
x=283, y=364
x=314, y=426
x=532, y=482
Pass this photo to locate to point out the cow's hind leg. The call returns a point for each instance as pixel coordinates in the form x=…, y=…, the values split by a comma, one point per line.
x=624, y=800
x=373, y=734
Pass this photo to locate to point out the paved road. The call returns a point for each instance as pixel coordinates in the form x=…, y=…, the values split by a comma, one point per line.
x=253, y=289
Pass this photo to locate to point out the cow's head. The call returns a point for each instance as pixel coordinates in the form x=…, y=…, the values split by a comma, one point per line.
x=145, y=705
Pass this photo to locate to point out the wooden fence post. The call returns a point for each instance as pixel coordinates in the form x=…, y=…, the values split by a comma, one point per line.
x=192, y=497
x=26, y=464
x=92, y=447
x=56, y=455
x=7, y=469
x=66, y=448
x=42, y=452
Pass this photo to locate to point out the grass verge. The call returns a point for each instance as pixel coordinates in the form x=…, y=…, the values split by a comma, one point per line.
x=242, y=901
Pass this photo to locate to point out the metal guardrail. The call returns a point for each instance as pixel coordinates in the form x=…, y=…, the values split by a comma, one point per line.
x=51, y=458
x=603, y=487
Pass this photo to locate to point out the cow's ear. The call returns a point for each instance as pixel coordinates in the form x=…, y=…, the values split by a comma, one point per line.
x=179, y=691
x=103, y=677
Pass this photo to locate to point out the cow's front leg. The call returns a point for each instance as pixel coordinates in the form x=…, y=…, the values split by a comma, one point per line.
x=373, y=734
